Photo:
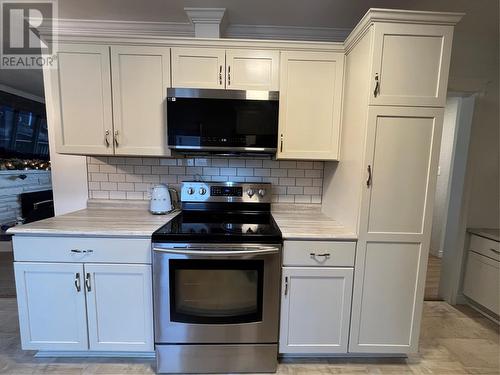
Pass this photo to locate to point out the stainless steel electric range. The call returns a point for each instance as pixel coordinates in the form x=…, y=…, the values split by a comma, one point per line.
x=216, y=271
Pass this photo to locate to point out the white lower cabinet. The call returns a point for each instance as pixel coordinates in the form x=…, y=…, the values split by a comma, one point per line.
x=51, y=302
x=119, y=307
x=315, y=310
x=316, y=296
x=85, y=306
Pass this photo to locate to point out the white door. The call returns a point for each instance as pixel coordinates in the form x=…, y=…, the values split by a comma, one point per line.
x=252, y=69
x=120, y=307
x=310, y=104
x=200, y=68
x=410, y=63
x=81, y=97
x=51, y=302
x=141, y=76
x=315, y=308
x=394, y=235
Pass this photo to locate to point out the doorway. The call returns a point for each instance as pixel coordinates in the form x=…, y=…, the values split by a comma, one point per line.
x=446, y=231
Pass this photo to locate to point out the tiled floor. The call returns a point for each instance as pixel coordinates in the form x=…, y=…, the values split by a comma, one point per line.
x=453, y=341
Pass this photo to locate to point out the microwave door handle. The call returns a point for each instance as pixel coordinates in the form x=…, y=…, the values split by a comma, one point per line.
x=202, y=251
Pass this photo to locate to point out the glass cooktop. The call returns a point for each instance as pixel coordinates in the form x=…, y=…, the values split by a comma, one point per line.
x=209, y=226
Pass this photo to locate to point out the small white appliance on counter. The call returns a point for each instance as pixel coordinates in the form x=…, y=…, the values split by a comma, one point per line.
x=161, y=200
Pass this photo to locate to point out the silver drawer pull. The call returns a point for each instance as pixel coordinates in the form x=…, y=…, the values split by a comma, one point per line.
x=82, y=251
x=77, y=282
x=314, y=255
x=495, y=251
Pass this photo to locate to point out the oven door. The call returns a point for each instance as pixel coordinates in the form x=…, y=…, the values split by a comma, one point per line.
x=216, y=293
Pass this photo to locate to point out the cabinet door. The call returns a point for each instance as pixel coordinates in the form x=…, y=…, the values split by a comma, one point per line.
x=81, y=99
x=200, y=68
x=310, y=103
x=51, y=302
x=252, y=69
x=315, y=307
x=141, y=76
x=394, y=235
x=411, y=63
x=482, y=281
x=120, y=308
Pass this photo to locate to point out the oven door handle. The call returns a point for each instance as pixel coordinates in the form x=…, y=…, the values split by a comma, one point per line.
x=205, y=251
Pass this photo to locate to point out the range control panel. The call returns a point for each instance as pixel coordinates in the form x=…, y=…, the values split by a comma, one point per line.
x=196, y=191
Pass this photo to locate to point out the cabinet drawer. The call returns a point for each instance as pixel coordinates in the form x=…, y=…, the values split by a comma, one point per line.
x=86, y=249
x=319, y=253
x=481, y=282
x=485, y=246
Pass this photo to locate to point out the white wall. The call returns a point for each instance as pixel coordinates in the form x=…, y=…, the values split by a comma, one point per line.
x=443, y=179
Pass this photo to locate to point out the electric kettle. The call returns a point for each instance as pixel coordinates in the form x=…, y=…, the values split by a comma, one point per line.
x=161, y=200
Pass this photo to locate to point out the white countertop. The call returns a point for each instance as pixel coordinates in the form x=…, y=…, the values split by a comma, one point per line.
x=307, y=222
x=490, y=233
x=125, y=218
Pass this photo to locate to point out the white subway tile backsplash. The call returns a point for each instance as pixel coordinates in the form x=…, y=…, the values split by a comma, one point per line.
x=210, y=171
x=168, y=162
x=132, y=177
x=244, y=172
x=296, y=173
x=262, y=172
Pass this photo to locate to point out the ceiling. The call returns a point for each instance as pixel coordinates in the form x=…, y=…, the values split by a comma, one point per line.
x=482, y=17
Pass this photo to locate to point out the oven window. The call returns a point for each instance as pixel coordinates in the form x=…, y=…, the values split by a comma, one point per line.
x=216, y=291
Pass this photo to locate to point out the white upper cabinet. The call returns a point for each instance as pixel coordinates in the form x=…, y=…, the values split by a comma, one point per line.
x=401, y=159
x=235, y=69
x=141, y=76
x=252, y=69
x=201, y=68
x=80, y=93
x=110, y=102
x=120, y=307
x=315, y=309
x=410, y=64
x=310, y=105
x=51, y=301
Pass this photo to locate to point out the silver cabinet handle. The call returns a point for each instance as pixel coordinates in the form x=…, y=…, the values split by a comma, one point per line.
x=495, y=251
x=77, y=282
x=220, y=75
x=82, y=251
x=229, y=75
x=87, y=282
x=115, y=138
x=376, y=91
x=314, y=255
x=286, y=285
x=106, y=140
x=281, y=143
x=369, y=180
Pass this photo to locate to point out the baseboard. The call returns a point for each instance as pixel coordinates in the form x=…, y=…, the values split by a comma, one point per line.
x=343, y=355
x=83, y=354
x=483, y=311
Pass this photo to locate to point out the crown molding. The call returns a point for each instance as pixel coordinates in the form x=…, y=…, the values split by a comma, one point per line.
x=108, y=28
x=325, y=34
x=111, y=28
x=207, y=21
x=400, y=16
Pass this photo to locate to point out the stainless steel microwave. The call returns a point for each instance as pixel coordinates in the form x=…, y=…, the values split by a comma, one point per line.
x=222, y=121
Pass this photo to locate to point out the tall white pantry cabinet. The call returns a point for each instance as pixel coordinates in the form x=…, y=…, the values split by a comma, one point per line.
x=394, y=94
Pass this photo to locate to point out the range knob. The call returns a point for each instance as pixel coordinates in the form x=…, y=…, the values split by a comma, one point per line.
x=203, y=191
x=250, y=192
x=262, y=192
x=190, y=191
